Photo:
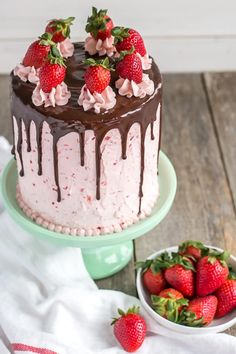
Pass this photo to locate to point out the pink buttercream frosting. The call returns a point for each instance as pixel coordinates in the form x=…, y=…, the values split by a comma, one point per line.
x=66, y=48
x=105, y=100
x=58, y=96
x=106, y=47
x=27, y=73
x=130, y=88
x=146, y=61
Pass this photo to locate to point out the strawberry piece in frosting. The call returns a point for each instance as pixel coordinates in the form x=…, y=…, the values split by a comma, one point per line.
x=66, y=48
x=27, y=73
x=130, y=88
x=105, y=100
x=102, y=47
x=59, y=96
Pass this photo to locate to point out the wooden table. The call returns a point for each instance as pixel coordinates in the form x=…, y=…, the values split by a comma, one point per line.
x=199, y=136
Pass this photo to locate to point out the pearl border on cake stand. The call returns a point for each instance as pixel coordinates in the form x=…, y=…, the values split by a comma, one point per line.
x=103, y=255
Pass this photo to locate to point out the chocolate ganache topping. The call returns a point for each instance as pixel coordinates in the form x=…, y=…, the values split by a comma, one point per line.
x=72, y=117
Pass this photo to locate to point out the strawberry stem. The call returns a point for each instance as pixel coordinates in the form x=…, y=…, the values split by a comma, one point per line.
x=120, y=33
x=62, y=25
x=99, y=62
x=55, y=57
x=97, y=21
x=131, y=310
x=46, y=39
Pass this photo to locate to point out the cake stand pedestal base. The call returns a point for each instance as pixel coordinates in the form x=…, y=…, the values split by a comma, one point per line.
x=105, y=261
x=106, y=254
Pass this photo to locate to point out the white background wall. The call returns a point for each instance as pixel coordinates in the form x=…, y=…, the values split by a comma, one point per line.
x=182, y=35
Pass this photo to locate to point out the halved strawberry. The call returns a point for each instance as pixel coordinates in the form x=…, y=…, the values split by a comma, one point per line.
x=169, y=303
x=212, y=271
x=53, y=71
x=200, y=311
x=97, y=76
x=60, y=29
x=126, y=38
x=130, y=66
x=38, y=51
x=99, y=24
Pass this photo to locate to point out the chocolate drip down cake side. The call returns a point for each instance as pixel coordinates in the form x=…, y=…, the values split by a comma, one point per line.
x=87, y=124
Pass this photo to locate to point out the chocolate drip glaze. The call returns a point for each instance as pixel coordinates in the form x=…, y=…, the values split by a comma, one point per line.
x=72, y=118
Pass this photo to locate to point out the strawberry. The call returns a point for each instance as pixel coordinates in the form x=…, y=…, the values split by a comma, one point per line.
x=193, y=248
x=53, y=71
x=180, y=276
x=130, y=66
x=212, y=271
x=60, y=29
x=99, y=25
x=169, y=303
x=38, y=51
x=200, y=311
x=226, y=296
x=153, y=278
x=126, y=38
x=130, y=329
x=97, y=76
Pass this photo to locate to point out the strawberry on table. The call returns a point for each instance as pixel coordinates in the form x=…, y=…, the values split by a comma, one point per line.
x=130, y=329
x=226, y=296
x=212, y=271
x=126, y=38
x=200, y=311
x=130, y=66
x=38, y=51
x=99, y=24
x=180, y=274
x=59, y=28
x=193, y=248
x=97, y=76
x=153, y=278
x=53, y=71
x=169, y=303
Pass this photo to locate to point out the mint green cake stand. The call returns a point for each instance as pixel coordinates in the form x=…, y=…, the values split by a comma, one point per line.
x=103, y=255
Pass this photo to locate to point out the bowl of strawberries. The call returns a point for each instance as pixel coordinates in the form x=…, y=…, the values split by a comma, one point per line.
x=190, y=288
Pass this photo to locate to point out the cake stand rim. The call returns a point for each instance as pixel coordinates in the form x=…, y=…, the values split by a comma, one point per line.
x=132, y=232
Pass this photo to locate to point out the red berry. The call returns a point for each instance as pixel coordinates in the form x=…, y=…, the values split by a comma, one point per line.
x=192, y=248
x=200, y=311
x=130, y=67
x=226, y=296
x=35, y=55
x=97, y=78
x=130, y=329
x=51, y=75
x=154, y=282
x=99, y=24
x=128, y=38
x=181, y=279
x=60, y=29
x=171, y=293
x=211, y=274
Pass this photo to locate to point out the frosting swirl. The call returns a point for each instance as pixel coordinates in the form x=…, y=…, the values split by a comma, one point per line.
x=66, y=48
x=105, y=100
x=106, y=47
x=57, y=96
x=146, y=61
x=131, y=88
x=27, y=73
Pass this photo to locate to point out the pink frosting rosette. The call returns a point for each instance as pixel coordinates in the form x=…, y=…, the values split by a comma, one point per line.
x=146, y=61
x=59, y=96
x=105, y=100
x=106, y=47
x=66, y=48
x=27, y=73
x=131, y=88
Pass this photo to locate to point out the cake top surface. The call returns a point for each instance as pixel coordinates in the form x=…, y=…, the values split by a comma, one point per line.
x=75, y=80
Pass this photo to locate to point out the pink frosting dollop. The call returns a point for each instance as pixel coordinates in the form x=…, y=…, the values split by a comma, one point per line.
x=146, y=61
x=27, y=73
x=105, y=100
x=106, y=47
x=57, y=96
x=66, y=48
x=131, y=88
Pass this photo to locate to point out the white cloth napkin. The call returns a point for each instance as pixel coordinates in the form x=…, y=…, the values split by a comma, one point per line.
x=50, y=305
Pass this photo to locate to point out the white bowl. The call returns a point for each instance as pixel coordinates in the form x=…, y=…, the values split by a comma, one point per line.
x=218, y=325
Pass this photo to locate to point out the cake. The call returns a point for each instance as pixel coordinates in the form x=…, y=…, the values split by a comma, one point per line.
x=84, y=167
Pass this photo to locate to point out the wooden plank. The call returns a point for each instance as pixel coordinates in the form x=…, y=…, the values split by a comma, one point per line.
x=221, y=94
x=191, y=54
x=203, y=207
x=5, y=117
